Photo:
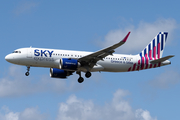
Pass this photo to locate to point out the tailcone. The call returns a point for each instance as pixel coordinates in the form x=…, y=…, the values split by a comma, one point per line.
x=167, y=62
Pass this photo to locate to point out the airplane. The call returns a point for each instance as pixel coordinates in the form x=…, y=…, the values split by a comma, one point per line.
x=63, y=63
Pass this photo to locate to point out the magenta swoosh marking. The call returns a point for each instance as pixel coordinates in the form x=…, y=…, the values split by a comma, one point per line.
x=158, y=50
x=150, y=54
x=134, y=66
x=154, y=65
x=150, y=66
x=138, y=65
x=146, y=61
x=159, y=64
x=142, y=64
x=154, y=52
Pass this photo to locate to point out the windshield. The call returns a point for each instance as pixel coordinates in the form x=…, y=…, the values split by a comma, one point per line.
x=16, y=51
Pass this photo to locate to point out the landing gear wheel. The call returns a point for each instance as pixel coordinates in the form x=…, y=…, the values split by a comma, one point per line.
x=81, y=79
x=28, y=69
x=27, y=73
x=88, y=74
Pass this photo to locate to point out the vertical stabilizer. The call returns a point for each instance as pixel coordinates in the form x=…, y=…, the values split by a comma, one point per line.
x=154, y=49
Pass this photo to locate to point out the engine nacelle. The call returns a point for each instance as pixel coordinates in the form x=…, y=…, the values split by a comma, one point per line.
x=58, y=73
x=69, y=64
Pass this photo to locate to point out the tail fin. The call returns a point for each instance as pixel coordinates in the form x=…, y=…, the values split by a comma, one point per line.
x=154, y=49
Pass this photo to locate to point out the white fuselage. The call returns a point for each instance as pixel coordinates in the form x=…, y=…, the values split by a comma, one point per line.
x=63, y=63
x=40, y=57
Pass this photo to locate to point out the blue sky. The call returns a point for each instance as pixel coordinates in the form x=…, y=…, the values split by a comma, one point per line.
x=89, y=26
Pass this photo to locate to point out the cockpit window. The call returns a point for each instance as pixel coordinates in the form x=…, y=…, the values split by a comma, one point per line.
x=17, y=52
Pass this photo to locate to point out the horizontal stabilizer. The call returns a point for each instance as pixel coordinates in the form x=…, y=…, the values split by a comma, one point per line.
x=161, y=59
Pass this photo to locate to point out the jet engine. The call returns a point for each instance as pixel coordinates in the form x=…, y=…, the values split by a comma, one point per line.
x=69, y=64
x=58, y=73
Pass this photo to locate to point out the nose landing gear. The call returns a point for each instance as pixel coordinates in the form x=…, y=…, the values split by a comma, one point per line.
x=28, y=69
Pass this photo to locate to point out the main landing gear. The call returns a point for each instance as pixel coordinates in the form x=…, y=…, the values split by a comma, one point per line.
x=88, y=74
x=81, y=79
x=28, y=69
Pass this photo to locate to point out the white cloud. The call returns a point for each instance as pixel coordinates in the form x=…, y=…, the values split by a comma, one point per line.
x=140, y=36
x=15, y=83
x=117, y=109
x=165, y=80
x=31, y=114
x=11, y=116
x=78, y=109
x=27, y=114
x=143, y=115
x=24, y=7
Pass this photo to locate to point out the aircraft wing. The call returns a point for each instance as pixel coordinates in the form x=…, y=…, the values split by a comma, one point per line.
x=91, y=59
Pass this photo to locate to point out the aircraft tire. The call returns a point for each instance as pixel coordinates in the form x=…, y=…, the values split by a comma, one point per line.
x=88, y=74
x=27, y=73
x=81, y=79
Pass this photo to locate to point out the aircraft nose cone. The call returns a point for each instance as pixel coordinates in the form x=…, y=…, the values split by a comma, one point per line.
x=8, y=58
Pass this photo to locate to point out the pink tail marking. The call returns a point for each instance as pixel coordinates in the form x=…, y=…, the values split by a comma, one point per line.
x=138, y=65
x=134, y=66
